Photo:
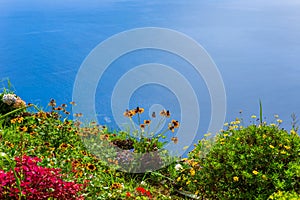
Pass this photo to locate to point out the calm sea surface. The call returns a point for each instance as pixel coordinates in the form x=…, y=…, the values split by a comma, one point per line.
x=254, y=44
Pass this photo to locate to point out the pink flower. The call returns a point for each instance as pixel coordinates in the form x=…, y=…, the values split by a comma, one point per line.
x=37, y=182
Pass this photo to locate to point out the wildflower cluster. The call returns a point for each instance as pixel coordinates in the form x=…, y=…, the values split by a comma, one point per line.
x=36, y=182
x=149, y=140
x=49, y=158
x=243, y=163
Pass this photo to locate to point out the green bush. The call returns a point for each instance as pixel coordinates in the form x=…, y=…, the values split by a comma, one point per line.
x=285, y=196
x=244, y=163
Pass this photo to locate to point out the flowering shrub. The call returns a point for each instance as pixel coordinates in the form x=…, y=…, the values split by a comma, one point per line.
x=36, y=182
x=285, y=196
x=244, y=163
x=143, y=144
x=147, y=139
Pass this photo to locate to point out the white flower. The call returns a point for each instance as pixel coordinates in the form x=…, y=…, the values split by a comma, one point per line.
x=178, y=167
x=3, y=154
x=143, y=183
x=9, y=99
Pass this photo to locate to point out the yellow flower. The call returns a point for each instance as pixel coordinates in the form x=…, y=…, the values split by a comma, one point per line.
x=128, y=113
x=194, y=164
x=175, y=123
x=18, y=119
x=283, y=152
x=293, y=132
x=142, y=126
x=264, y=136
x=91, y=167
x=264, y=177
x=63, y=145
x=279, y=121
x=13, y=120
x=255, y=172
x=272, y=124
x=116, y=186
x=84, y=153
x=78, y=115
x=9, y=144
x=188, y=182
x=271, y=146
x=184, y=160
x=192, y=172
x=147, y=122
x=226, y=124
x=276, y=116
x=139, y=110
x=33, y=126
x=165, y=113
x=287, y=147
x=233, y=127
x=253, y=116
x=235, y=178
x=178, y=179
x=171, y=128
x=225, y=135
x=23, y=128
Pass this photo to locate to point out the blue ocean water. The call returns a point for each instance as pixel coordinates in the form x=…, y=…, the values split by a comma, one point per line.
x=254, y=44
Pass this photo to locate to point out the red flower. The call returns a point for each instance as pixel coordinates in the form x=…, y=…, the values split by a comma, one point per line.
x=141, y=190
x=128, y=194
x=144, y=192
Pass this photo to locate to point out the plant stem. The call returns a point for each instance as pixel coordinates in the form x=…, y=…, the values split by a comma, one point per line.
x=14, y=111
x=260, y=112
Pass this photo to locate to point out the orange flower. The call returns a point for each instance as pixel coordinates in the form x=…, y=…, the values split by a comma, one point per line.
x=142, y=126
x=165, y=113
x=175, y=123
x=139, y=110
x=147, y=122
x=23, y=128
x=171, y=127
x=52, y=103
x=128, y=113
x=78, y=115
x=175, y=140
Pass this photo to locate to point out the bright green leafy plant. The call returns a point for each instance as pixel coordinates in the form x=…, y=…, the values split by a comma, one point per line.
x=245, y=163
